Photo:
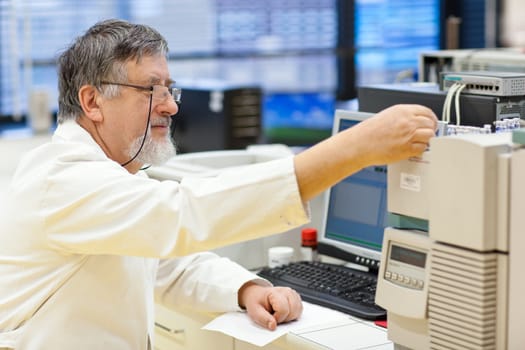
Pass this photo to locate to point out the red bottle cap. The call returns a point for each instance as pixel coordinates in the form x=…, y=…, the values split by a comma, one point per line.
x=309, y=237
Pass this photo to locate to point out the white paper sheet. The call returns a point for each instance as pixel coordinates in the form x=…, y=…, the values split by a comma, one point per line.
x=240, y=326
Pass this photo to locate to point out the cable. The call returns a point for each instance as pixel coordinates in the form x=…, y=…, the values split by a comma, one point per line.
x=448, y=101
x=458, y=92
x=145, y=134
x=451, y=100
x=445, y=116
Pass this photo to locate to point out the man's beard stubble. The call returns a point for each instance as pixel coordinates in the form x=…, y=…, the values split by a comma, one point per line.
x=153, y=152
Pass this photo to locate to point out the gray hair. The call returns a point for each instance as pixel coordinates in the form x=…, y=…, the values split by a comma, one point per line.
x=100, y=54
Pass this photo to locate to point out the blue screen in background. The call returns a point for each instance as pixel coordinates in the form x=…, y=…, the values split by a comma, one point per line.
x=298, y=118
x=391, y=34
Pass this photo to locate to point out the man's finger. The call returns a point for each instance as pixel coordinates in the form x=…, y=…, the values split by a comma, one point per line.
x=263, y=318
x=280, y=306
x=426, y=122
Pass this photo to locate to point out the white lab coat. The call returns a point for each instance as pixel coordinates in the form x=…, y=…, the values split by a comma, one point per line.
x=81, y=238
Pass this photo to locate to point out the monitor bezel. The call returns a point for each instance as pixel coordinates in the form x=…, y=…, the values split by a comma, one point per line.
x=329, y=247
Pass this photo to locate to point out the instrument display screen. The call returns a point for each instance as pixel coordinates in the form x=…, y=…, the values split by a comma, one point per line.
x=408, y=256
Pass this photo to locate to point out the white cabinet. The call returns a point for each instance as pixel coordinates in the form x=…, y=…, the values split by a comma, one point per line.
x=286, y=342
x=240, y=345
x=177, y=331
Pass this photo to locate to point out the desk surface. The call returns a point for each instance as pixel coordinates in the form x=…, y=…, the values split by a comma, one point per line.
x=347, y=333
x=350, y=334
x=353, y=334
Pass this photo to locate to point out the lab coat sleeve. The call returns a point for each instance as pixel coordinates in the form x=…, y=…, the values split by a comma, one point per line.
x=202, y=281
x=101, y=209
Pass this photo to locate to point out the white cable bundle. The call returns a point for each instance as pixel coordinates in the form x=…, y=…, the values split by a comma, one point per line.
x=458, y=92
x=453, y=93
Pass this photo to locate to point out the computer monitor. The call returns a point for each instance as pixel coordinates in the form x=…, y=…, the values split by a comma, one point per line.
x=356, y=209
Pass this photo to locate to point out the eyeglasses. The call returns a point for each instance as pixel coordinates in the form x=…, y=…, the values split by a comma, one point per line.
x=158, y=92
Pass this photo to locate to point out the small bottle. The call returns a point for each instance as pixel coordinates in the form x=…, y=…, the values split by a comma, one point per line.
x=308, y=251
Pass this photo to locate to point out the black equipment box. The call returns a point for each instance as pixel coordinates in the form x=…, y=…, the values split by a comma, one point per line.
x=217, y=118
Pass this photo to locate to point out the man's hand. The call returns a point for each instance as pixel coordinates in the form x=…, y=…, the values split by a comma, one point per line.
x=269, y=306
x=396, y=133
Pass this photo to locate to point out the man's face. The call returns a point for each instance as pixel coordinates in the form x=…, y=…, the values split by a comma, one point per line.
x=127, y=115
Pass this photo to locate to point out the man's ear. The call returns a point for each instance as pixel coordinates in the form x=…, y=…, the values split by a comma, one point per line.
x=88, y=96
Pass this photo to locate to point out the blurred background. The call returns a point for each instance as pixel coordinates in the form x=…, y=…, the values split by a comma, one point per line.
x=307, y=57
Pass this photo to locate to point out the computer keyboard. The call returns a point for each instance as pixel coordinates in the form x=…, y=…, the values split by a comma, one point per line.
x=334, y=286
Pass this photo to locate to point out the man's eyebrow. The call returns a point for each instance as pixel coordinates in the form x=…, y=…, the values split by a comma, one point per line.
x=157, y=81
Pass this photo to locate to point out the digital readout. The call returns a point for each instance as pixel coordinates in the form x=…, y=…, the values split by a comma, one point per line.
x=408, y=256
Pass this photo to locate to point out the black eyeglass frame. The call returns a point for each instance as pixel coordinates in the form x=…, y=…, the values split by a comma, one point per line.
x=173, y=91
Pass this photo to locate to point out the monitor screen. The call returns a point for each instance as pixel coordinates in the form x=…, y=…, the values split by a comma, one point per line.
x=356, y=209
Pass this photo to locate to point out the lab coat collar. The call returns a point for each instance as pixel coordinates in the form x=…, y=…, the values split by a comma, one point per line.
x=71, y=131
